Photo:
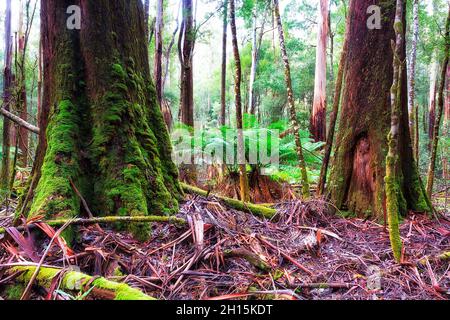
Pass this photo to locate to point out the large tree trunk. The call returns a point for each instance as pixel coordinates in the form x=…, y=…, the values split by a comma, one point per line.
x=358, y=170
x=186, y=50
x=291, y=102
x=319, y=111
x=7, y=86
x=333, y=117
x=412, y=73
x=103, y=128
x=243, y=179
x=223, y=78
x=439, y=111
x=159, y=49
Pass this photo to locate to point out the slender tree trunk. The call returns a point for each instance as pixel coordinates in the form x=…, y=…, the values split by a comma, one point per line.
x=7, y=86
x=440, y=105
x=319, y=112
x=333, y=118
x=412, y=71
x=21, y=99
x=223, y=79
x=243, y=179
x=159, y=49
x=291, y=102
x=358, y=168
x=147, y=18
x=432, y=99
x=256, y=44
x=102, y=129
x=416, y=135
x=392, y=177
x=186, y=49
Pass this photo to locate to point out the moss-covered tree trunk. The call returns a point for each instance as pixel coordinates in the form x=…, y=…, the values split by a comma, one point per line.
x=291, y=101
x=7, y=85
x=103, y=127
x=358, y=168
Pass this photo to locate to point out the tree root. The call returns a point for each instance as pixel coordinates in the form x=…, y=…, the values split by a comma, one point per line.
x=77, y=281
x=258, y=210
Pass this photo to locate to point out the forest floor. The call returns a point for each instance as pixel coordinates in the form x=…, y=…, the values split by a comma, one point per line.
x=303, y=253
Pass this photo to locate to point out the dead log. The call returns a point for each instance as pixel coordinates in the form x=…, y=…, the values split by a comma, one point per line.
x=248, y=207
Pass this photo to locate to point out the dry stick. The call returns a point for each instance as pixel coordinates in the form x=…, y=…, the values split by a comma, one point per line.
x=83, y=201
x=334, y=114
x=27, y=290
x=432, y=165
x=18, y=120
x=260, y=238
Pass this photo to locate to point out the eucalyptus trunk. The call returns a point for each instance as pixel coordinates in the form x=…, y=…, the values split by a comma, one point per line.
x=7, y=86
x=439, y=111
x=243, y=179
x=319, y=111
x=358, y=168
x=101, y=128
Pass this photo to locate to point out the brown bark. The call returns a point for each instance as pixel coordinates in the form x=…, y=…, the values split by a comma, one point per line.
x=319, y=111
x=223, y=77
x=358, y=168
x=186, y=48
x=412, y=71
x=432, y=101
x=21, y=99
x=147, y=18
x=333, y=118
x=159, y=49
x=440, y=107
x=7, y=86
x=291, y=102
x=106, y=133
x=243, y=179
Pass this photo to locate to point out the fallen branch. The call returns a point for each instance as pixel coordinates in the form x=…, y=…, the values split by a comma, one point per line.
x=255, y=209
x=19, y=121
x=109, y=220
x=77, y=281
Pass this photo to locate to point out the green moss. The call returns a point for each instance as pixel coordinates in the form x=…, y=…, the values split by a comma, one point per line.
x=14, y=292
x=76, y=281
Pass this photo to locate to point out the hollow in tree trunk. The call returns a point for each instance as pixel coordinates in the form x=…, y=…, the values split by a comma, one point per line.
x=358, y=168
x=101, y=127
